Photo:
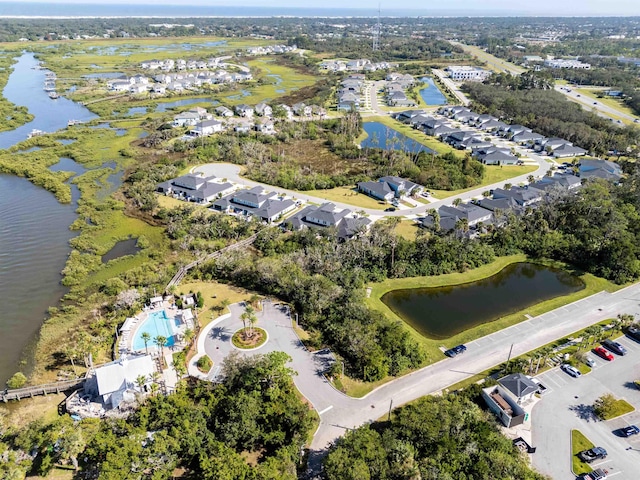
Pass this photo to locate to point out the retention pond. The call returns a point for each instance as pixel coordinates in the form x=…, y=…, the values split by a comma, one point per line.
x=442, y=312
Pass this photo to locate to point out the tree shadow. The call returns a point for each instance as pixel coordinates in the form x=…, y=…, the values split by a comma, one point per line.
x=219, y=333
x=631, y=386
x=584, y=412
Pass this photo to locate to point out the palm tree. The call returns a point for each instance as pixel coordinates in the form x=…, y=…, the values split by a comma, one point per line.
x=141, y=381
x=531, y=179
x=590, y=332
x=188, y=335
x=160, y=341
x=457, y=202
x=248, y=317
x=146, y=337
x=507, y=186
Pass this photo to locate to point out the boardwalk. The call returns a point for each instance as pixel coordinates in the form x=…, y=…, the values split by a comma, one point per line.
x=30, y=392
x=182, y=271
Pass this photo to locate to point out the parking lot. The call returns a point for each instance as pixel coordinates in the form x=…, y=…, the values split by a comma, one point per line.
x=567, y=405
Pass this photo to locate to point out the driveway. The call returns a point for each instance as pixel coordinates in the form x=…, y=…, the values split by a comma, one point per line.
x=567, y=406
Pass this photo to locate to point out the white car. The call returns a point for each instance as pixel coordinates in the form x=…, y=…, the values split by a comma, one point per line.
x=571, y=370
x=590, y=361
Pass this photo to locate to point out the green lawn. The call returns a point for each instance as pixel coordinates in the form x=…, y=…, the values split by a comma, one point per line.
x=493, y=63
x=432, y=347
x=348, y=195
x=408, y=229
x=579, y=443
x=620, y=407
x=608, y=101
x=492, y=174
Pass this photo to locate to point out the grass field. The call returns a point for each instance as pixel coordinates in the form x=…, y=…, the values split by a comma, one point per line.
x=620, y=407
x=579, y=443
x=493, y=63
x=214, y=293
x=348, y=195
x=609, y=102
x=492, y=174
x=408, y=229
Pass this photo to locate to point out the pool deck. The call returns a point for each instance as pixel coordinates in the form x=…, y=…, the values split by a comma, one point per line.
x=132, y=325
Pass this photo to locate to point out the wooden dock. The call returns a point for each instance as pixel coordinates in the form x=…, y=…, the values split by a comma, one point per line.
x=30, y=392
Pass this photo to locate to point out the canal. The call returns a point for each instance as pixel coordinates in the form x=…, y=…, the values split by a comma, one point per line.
x=443, y=312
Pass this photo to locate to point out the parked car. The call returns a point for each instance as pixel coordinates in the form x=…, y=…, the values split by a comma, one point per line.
x=571, y=370
x=541, y=388
x=629, y=431
x=590, y=362
x=390, y=209
x=595, y=453
x=597, y=474
x=614, y=346
x=634, y=333
x=600, y=351
x=459, y=349
x=450, y=353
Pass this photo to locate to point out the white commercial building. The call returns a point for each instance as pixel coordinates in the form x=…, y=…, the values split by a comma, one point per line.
x=466, y=73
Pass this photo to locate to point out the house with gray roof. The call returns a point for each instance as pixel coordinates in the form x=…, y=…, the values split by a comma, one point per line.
x=550, y=144
x=497, y=157
x=566, y=181
x=224, y=111
x=327, y=216
x=520, y=387
x=195, y=188
x=399, y=99
x=501, y=207
x=378, y=190
x=567, y=151
x=185, y=119
x=450, y=216
x=207, y=127
x=524, y=196
x=400, y=186
x=511, y=130
x=407, y=115
x=263, y=110
x=492, y=126
x=594, y=168
x=244, y=110
x=524, y=138
x=257, y=202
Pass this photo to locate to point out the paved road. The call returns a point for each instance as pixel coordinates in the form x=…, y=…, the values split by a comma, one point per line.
x=232, y=173
x=491, y=60
x=589, y=103
x=567, y=407
x=453, y=87
x=340, y=413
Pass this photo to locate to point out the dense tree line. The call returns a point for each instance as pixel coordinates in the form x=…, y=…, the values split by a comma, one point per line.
x=548, y=112
x=324, y=280
x=206, y=429
x=597, y=230
x=434, y=438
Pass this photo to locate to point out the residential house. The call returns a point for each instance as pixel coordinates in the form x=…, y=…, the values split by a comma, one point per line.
x=501, y=207
x=257, y=202
x=302, y=110
x=566, y=181
x=567, y=151
x=548, y=145
x=265, y=126
x=524, y=196
x=327, y=215
x=398, y=99
x=263, y=110
x=348, y=102
x=195, y=188
x=407, y=115
x=287, y=110
x=492, y=126
x=401, y=186
x=473, y=214
x=244, y=110
x=224, y=111
x=137, y=89
x=466, y=117
x=206, y=128
x=514, y=130
x=527, y=138
x=183, y=119
x=119, y=85
x=593, y=168
x=379, y=190
x=458, y=138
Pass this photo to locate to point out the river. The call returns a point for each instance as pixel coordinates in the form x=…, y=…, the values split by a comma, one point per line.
x=34, y=233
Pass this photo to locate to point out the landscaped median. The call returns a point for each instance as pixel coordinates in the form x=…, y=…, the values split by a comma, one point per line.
x=579, y=443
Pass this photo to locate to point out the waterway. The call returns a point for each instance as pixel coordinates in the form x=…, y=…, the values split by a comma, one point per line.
x=381, y=136
x=432, y=94
x=122, y=248
x=442, y=312
x=34, y=238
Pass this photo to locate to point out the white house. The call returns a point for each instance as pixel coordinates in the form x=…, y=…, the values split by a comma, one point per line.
x=118, y=381
x=263, y=110
x=206, y=128
x=186, y=119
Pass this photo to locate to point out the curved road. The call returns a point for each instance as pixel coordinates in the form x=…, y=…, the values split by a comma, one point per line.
x=232, y=173
x=339, y=413
x=589, y=103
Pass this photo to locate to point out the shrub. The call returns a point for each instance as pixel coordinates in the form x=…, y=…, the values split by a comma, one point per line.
x=204, y=364
x=17, y=381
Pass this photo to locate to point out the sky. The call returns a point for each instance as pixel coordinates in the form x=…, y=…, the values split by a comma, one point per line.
x=537, y=7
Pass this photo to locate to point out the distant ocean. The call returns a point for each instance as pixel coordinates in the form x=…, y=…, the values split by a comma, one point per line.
x=25, y=9
x=28, y=9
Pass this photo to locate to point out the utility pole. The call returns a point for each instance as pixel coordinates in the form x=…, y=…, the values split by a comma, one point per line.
x=509, y=356
x=376, y=33
x=390, y=407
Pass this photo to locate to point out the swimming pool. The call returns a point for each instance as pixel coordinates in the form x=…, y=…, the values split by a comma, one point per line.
x=157, y=323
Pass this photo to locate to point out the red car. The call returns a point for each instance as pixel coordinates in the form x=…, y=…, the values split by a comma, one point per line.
x=603, y=353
